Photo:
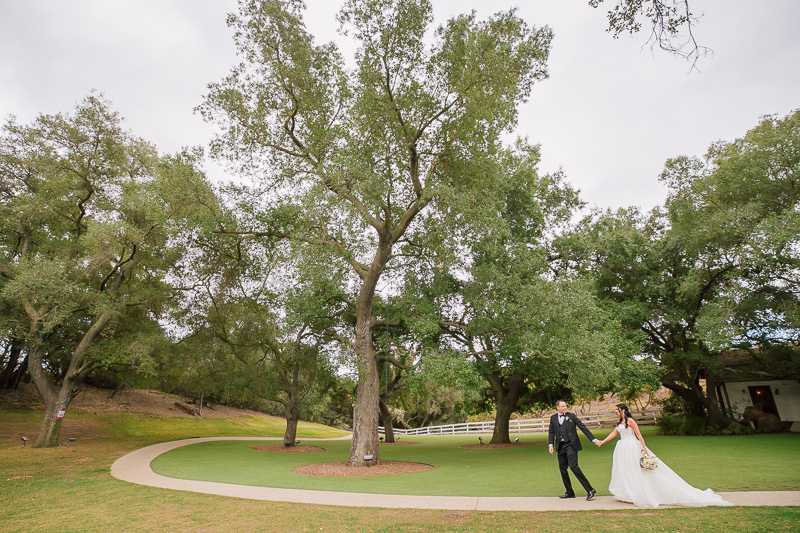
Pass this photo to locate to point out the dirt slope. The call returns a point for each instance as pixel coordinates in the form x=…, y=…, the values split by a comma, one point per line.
x=133, y=401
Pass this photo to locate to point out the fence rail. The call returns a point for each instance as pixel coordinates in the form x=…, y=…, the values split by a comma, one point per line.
x=530, y=425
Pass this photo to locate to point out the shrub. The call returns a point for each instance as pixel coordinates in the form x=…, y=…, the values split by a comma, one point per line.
x=681, y=425
x=694, y=425
x=670, y=425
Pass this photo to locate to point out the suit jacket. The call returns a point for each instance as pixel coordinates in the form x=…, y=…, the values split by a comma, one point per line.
x=573, y=423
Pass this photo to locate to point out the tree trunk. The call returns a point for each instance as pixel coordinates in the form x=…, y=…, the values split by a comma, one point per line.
x=55, y=401
x=500, y=435
x=50, y=430
x=365, y=415
x=292, y=417
x=386, y=420
x=13, y=370
x=59, y=401
x=692, y=397
x=51, y=424
x=506, y=397
x=716, y=417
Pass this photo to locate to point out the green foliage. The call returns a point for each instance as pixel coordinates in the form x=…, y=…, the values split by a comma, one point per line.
x=698, y=278
x=738, y=208
x=441, y=389
x=675, y=424
x=256, y=321
x=94, y=223
x=666, y=16
x=637, y=377
x=671, y=24
x=531, y=335
x=379, y=165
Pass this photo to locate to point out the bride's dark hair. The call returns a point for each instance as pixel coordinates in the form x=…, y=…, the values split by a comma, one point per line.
x=625, y=415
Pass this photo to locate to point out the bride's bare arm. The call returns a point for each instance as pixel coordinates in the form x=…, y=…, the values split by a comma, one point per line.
x=632, y=423
x=610, y=436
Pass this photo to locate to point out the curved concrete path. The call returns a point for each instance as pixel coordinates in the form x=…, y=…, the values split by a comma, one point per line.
x=135, y=468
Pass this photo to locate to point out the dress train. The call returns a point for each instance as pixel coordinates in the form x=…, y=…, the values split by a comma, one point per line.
x=651, y=488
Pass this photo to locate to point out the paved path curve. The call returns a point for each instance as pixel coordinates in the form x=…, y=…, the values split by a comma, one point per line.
x=135, y=468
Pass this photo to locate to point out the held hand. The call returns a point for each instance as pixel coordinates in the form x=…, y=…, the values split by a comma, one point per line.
x=599, y=443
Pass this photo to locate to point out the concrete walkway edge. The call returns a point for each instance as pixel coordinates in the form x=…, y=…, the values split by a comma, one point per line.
x=135, y=468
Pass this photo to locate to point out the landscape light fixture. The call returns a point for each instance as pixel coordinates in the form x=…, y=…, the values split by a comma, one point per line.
x=516, y=440
x=24, y=441
x=70, y=440
x=480, y=439
x=368, y=458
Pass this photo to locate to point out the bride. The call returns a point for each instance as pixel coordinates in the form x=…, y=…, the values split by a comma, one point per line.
x=648, y=488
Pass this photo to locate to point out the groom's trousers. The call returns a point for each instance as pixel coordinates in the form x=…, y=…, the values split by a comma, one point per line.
x=568, y=458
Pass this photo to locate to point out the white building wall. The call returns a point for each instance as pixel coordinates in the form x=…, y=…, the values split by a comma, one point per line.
x=785, y=393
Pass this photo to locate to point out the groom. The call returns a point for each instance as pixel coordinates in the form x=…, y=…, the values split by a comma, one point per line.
x=563, y=437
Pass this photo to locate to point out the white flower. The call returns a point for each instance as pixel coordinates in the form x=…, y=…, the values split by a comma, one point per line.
x=648, y=462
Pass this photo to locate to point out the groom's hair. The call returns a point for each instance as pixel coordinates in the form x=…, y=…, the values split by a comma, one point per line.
x=558, y=402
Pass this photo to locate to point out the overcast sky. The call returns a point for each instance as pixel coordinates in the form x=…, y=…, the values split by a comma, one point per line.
x=610, y=115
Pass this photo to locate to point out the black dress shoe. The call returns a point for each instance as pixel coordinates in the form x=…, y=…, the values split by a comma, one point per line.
x=591, y=494
x=566, y=495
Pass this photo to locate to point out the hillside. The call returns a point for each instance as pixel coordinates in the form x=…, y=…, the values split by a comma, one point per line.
x=132, y=401
x=149, y=402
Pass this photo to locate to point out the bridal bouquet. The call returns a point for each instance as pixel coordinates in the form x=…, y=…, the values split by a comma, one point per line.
x=647, y=461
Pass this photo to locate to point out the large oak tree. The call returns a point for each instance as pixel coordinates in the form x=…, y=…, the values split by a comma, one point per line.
x=716, y=269
x=92, y=221
x=355, y=159
x=533, y=333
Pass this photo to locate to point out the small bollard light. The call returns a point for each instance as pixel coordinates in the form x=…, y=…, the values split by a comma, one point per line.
x=368, y=458
x=480, y=439
x=24, y=441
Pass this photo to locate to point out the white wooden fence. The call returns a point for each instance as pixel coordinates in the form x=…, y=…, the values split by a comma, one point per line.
x=530, y=425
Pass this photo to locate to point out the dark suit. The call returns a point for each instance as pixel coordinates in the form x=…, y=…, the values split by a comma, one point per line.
x=564, y=438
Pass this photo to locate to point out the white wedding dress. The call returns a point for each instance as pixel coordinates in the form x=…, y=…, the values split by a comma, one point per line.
x=651, y=488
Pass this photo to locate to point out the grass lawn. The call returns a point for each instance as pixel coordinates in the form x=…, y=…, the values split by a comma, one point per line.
x=71, y=489
x=722, y=463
